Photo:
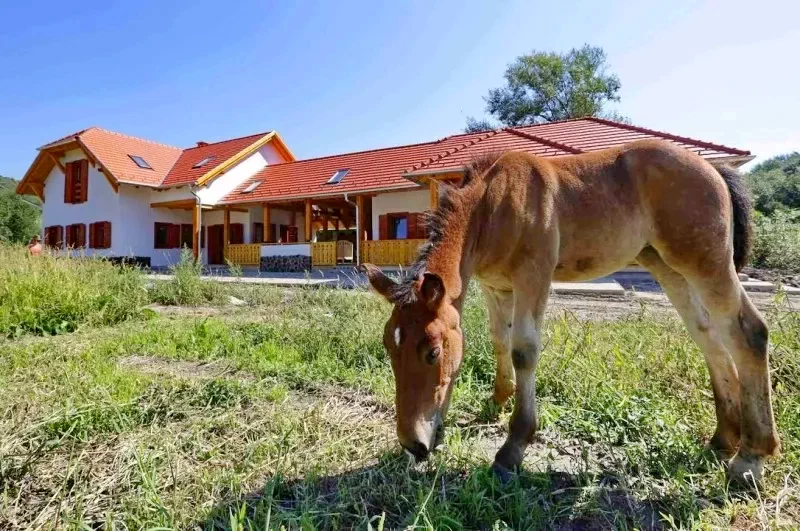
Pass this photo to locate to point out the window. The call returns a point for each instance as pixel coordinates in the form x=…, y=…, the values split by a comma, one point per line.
x=76, y=236
x=166, y=235
x=338, y=176
x=257, y=236
x=398, y=227
x=76, y=181
x=250, y=187
x=236, y=233
x=54, y=236
x=139, y=161
x=100, y=235
x=203, y=162
x=187, y=236
x=402, y=226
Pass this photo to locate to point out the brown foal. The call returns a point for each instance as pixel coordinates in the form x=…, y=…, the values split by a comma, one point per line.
x=518, y=222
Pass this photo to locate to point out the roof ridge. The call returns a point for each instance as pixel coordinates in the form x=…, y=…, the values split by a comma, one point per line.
x=448, y=152
x=546, y=141
x=678, y=138
x=229, y=140
x=117, y=133
x=361, y=152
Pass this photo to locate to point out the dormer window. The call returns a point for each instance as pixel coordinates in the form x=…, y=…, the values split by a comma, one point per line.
x=203, y=162
x=139, y=161
x=338, y=176
x=250, y=187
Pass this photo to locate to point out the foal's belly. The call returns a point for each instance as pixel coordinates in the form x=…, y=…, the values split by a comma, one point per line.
x=589, y=259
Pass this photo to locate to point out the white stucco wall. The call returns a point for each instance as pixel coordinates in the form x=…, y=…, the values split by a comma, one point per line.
x=102, y=203
x=227, y=182
x=412, y=201
x=132, y=219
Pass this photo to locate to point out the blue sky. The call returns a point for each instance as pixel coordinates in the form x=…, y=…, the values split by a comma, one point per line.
x=343, y=76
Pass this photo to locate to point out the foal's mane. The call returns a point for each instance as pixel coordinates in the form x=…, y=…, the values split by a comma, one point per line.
x=450, y=199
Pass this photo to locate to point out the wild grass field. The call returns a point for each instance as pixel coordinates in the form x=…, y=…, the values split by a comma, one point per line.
x=120, y=414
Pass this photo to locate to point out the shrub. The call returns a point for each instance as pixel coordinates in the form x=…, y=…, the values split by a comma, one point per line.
x=50, y=295
x=777, y=242
x=186, y=287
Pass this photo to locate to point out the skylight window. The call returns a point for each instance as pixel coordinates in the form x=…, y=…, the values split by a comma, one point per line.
x=338, y=176
x=250, y=187
x=204, y=162
x=139, y=161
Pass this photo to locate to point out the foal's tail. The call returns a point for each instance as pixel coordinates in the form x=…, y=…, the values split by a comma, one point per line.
x=742, y=222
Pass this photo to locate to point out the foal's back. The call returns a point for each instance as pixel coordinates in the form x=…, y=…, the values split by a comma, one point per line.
x=592, y=214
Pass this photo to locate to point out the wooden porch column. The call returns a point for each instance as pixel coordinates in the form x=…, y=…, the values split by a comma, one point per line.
x=434, y=188
x=336, y=226
x=226, y=228
x=196, y=232
x=360, y=232
x=266, y=219
x=307, y=219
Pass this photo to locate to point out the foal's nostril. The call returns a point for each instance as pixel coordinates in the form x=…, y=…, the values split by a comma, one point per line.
x=418, y=450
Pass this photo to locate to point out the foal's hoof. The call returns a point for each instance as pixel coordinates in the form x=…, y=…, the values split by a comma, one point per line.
x=503, y=474
x=746, y=471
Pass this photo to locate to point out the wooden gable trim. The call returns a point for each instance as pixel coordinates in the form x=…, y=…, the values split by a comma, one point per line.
x=215, y=172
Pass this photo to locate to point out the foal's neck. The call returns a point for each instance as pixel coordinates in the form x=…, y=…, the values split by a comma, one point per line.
x=452, y=243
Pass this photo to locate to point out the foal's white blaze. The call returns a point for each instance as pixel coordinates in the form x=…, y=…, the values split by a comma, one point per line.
x=397, y=336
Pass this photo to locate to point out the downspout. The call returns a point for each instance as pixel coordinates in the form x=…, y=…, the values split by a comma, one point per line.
x=358, y=230
x=199, y=203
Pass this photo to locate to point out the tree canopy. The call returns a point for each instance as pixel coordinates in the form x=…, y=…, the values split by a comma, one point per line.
x=19, y=215
x=775, y=183
x=548, y=86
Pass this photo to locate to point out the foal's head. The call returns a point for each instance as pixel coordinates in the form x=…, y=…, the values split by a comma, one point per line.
x=424, y=340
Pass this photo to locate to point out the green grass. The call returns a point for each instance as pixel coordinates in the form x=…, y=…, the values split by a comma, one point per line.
x=279, y=414
x=49, y=295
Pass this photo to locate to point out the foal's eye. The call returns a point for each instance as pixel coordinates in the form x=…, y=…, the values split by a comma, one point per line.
x=433, y=355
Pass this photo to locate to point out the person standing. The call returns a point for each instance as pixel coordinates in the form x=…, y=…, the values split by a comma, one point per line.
x=35, y=246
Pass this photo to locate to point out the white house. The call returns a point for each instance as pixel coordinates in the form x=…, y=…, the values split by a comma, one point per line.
x=249, y=201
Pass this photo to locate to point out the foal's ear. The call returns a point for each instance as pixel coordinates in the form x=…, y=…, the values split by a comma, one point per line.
x=379, y=281
x=431, y=290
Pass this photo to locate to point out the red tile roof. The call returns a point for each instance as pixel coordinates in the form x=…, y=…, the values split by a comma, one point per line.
x=182, y=171
x=112, y=150
x=377, y=169
x=386, y=169
x=169, y=165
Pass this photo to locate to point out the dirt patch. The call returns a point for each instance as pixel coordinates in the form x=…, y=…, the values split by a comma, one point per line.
x=188, y=370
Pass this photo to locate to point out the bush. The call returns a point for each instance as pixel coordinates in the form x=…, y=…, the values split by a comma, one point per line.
x=777, y=241
x=50, y=295
x=186, y=286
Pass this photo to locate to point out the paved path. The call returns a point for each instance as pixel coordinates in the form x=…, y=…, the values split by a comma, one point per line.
x=616, y=284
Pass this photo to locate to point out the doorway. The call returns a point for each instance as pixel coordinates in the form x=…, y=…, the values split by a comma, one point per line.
x=216, y=247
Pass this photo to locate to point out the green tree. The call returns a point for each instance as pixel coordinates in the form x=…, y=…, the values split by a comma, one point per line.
x=19, y=215
x=776, y=183
x=547, y=86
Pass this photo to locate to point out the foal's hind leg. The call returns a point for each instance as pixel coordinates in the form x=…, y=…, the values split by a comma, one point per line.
x=724, y=378
x=744, y=334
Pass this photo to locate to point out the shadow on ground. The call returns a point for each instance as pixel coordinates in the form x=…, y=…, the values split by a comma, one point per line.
x=394, y=494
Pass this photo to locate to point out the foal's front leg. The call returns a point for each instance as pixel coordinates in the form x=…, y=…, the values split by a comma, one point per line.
x=526, y=345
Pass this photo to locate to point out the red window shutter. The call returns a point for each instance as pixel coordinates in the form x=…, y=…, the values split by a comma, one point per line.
x=236, y=233
x=81, y=232
x=84, y=192
x=93, y=235
x=383, y=227
x=174, y=236
x=68, y=183
x=415, y=226
x=106, y=235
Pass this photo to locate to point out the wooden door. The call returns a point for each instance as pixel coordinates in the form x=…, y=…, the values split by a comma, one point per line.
x=216, y=247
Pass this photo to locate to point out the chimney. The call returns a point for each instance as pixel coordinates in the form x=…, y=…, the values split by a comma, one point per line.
x=201, y=143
